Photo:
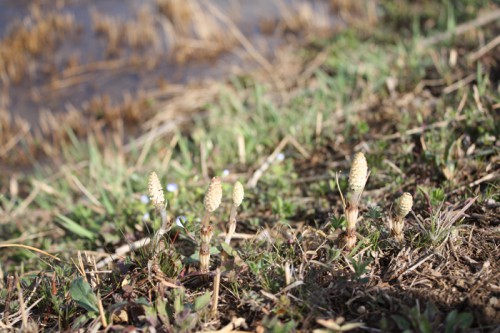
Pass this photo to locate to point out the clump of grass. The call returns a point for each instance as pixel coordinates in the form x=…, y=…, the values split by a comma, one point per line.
x=403, y=206
x=212, y=201
x=442, y=222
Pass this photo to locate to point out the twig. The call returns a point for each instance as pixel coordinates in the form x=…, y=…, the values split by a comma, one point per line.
x=30, y=248
x=252, y=182
x=461, y=29
x=86, y=192
x=485, y=49
x=291, y=286
x=417, y=264
x=158, y=132
x=312, y=66
x=340, y=191
x=313, y=179
x=231, y=327
x=237, y=236
x=421, y=129
x=124, y=249
x=203, y=160
x=231, y=225
x=102, y=315
x=299, y=147
x=393, y=166
x=477, y=98
x=319, y=126
x=147, y=146
x=240, y=37
x=80, y=267
x=168, y=156
x=10, y=287
x=215, y=295
x=459, y=84
x=22, y=306
x=241, y=150
x=488, y=177
x=15, y=320
x=247, y=45
x=26, y=202
x=14, y=140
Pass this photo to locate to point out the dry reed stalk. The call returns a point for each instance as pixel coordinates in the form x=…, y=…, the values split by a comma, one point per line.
x=403, y=206
x=357, y=181
x=212, y=201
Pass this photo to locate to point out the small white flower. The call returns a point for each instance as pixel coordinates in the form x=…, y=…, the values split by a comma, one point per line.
x=145, y=217
x=280, y=157
x=225, y=173
x=180, y=220
x=144, y=199
x=172, y=187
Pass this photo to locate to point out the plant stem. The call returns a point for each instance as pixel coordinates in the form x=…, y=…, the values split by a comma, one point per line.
x=215, y=295
x=351, y=215
x=231, y=225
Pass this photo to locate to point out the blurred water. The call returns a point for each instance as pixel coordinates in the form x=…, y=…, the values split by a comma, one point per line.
x=31, y=95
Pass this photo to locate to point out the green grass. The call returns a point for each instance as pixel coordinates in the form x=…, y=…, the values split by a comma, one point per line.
x=94, y=201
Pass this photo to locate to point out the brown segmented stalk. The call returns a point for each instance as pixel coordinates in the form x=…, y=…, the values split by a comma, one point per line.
x=357, y=181
x=212, y=201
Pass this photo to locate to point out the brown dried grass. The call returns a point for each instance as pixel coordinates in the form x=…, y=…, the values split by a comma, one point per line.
x=193, y=32
x=30, y=39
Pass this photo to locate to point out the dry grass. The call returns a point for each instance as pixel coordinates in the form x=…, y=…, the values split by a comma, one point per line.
x=139, y=33
x=193, y=31
x=29, y=40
